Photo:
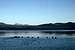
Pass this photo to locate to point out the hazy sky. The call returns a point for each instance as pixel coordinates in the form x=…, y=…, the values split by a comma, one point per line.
x=37, y=11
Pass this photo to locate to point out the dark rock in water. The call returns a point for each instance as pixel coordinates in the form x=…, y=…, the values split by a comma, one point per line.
x=38, y=37
x=47, y=37
x=32, y=37
x=55, y=37
x=52, y=37
x=28, y=37
x=22, y=37
x=16, y=36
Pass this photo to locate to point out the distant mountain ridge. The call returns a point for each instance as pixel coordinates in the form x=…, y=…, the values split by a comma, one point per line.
x=49, y=26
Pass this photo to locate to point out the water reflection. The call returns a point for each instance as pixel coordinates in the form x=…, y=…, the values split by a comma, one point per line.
x=37, y=33
x=2, y=33
x=60, y=33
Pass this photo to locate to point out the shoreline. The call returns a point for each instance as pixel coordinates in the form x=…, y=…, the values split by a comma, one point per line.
x=38, y=30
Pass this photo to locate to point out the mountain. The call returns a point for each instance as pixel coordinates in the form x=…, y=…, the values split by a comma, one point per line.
x=49, y=26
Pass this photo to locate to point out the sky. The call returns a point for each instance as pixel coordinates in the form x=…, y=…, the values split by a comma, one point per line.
x=36, y=12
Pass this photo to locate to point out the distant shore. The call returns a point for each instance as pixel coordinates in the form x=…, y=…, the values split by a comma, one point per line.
x=49, y=26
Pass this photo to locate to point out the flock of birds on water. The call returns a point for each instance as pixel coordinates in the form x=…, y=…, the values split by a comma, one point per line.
x=34, y=37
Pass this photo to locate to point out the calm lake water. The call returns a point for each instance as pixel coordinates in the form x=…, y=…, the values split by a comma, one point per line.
x=36, y=33
x=64, y=43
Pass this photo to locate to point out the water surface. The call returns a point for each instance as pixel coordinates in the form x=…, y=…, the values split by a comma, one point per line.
x=36, y=33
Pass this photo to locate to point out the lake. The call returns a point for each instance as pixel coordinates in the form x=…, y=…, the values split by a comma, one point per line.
x=65, y=40
x=37, y=33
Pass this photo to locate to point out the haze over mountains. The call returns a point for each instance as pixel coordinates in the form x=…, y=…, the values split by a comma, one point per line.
x=49, y=26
